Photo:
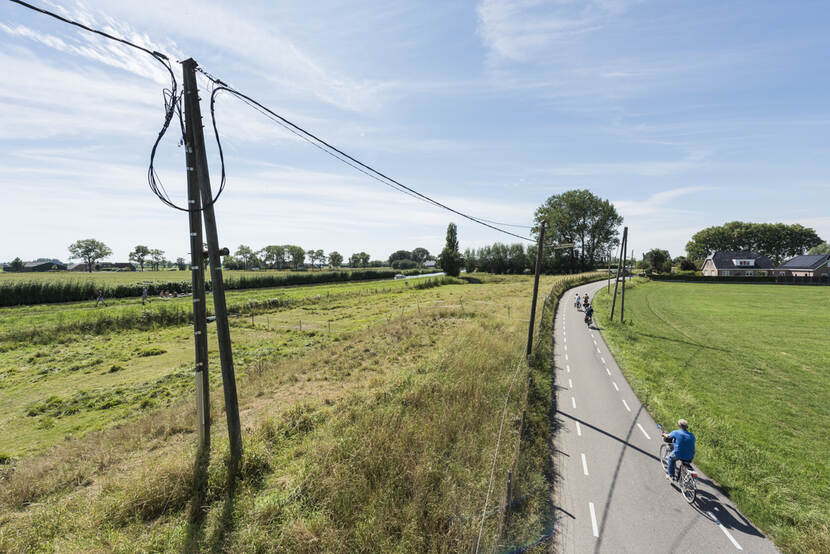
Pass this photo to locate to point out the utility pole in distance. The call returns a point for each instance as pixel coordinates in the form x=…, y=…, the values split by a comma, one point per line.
x=197, y=271
x=619, y=267
x=193, y=117
x=535, y=289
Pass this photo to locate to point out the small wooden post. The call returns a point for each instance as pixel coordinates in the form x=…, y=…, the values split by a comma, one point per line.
x=508, y=311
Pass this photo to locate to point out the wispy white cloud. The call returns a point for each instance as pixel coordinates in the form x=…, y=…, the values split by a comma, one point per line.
x=659, y=203
x=520, y=30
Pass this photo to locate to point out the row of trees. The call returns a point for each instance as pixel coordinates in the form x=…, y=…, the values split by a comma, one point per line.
x=777, y=241
x=404, y=259
x=142, y=254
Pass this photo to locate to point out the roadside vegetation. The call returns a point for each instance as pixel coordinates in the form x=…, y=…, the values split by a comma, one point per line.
x=377, y=435
x=747, y=365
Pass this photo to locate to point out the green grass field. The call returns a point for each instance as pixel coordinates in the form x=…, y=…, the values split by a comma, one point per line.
x=749, y=367
x=378, y=435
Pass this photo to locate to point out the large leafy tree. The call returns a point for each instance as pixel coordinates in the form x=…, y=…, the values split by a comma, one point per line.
x=139, y=255
x=273, y=255
x=359, y=259
x=777, y=241
x=823, y=248
x=420, y=255
x=89, y=250
x=450, y=259
x=296, y=254
x=581, y=218
x=657, y=260
x=157, y=257
x=335, y=259
x=400, y=255
x=247, y=256
x=17, y=265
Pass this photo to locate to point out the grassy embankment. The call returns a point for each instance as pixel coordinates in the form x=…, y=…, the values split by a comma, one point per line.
x=378, y=436
x=749, y=367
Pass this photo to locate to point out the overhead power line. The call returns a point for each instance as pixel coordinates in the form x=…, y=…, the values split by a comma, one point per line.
x=172, y=107
x=337, y=153
x=172, y=99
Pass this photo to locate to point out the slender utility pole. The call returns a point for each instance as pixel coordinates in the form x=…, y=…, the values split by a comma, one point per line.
x=619, y=267
x=535, y=288
x=197, y=271
x=622, y=302
x=194, y=118
x=608, y=289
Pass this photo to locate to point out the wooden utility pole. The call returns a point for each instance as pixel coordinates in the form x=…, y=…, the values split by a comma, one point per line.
x=197, y=271
x=535, y=289
x=619, y=268
x=193, y=117
x=622, y=302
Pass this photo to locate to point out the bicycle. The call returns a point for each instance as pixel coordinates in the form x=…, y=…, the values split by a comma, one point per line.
x=685, y=477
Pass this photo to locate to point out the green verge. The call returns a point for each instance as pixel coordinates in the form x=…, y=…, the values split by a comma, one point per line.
x=747, y=365
x=530, y=517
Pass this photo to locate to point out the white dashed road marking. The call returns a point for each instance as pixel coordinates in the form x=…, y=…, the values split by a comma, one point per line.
x=603, y=360
x=608, y=371
x=598, y=351
x=626, y=405
x=566, y=356
x=594, y=527
x=573, y=401
x=578, y=429
x=644, y=431
x=568, y=367
x=570, y=384
x=584, y=464
x=615, y=386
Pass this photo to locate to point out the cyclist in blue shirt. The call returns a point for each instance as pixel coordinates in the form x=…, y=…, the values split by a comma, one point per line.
x=684, y=446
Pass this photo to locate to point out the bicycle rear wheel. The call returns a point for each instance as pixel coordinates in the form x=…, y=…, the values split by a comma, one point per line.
x=664, y=454
x=688, y=487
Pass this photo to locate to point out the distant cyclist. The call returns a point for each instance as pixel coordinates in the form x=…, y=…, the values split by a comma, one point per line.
x=585, y=300
x=589, y=314
x=684, y=446
x=578, y=301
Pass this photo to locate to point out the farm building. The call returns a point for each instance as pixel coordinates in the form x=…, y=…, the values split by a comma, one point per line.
x=735, y=264
x=43, y=266
x=805, y=266
x=103, y=266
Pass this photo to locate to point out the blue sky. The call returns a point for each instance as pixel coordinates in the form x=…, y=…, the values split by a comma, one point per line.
x=684, y=114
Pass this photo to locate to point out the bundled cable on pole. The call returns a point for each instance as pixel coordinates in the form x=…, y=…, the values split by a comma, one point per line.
x=172, y=101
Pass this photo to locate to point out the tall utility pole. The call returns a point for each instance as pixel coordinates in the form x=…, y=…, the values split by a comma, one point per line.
x=193, y=117
x=622, y=302
x=620, y=267
x=197, y=271
x=535, y=288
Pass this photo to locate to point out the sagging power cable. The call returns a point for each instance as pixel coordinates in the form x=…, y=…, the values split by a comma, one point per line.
x=332, y=151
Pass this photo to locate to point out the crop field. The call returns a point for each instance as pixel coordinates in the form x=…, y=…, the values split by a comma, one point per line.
x=370, y=414
x=749, y=367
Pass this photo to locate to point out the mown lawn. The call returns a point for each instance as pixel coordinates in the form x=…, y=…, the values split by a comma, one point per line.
x=749, y=367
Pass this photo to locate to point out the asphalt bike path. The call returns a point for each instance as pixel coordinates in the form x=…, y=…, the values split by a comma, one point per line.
x=611, y=494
